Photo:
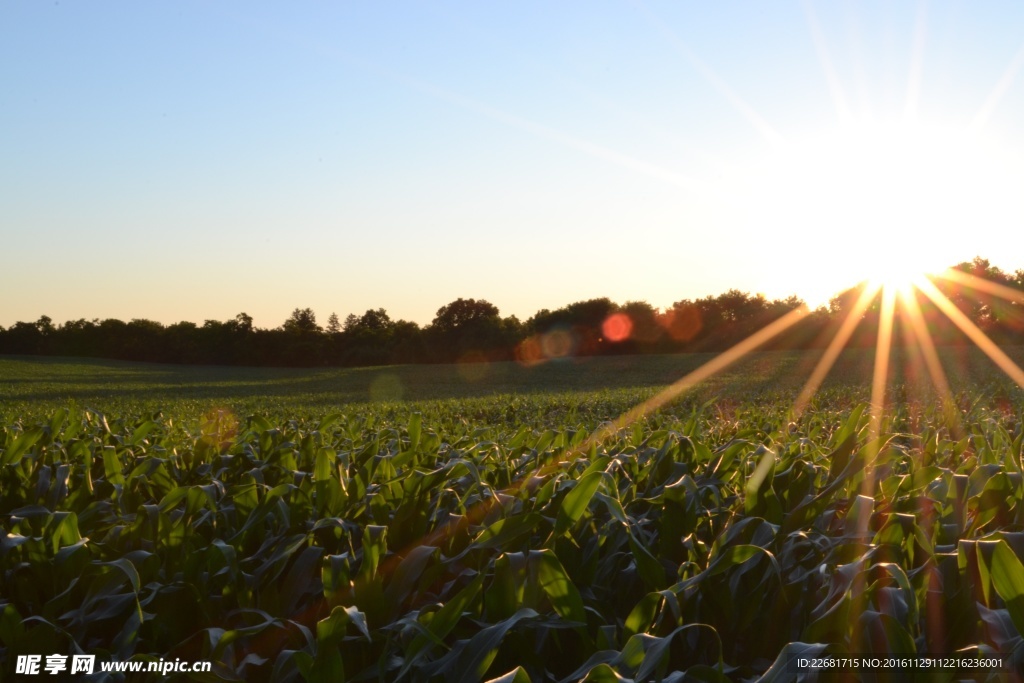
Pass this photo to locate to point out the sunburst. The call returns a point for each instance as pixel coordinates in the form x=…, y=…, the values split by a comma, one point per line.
x=876, y=186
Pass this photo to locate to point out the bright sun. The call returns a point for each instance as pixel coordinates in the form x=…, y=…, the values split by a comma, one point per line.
x=895, y=276
x=887, y=203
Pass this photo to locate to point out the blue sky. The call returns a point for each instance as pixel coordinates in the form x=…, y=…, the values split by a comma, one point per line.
x=191, y=160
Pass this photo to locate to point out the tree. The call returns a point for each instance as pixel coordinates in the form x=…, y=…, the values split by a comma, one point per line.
x=737, y=306
x=45, y=325
x=644, y=320
x=683, y=321
x=984, y=309
x=468, y=326
x=368, y=339
x=243, y=322
x=588, y=315
x=302, y=321
x=583, y=320
x=375, y=320
x=333, y=324
x=465, y=313
x=22, y=337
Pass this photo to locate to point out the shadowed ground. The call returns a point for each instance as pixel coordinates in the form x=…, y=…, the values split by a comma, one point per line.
x=29, y=385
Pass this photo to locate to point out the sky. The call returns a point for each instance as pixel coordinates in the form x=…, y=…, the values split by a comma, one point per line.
x=194, y=160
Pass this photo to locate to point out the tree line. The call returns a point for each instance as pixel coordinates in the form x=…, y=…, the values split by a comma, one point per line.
x=474, y=330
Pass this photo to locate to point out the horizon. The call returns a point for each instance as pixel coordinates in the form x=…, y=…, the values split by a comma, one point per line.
x=192, y=162
x=322, y=319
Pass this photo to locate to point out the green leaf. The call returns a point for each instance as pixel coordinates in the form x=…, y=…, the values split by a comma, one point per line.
x=128, y=569
x=11, y=625
x=141, y=432
x=516, y=675
x=504, y=531
x=649, y=654
x=759, y=498
x=782, y=671
x=324, y=469
x=327, y=666
x=326, y=422
x=65, y=530
x=733, y=556
x=1008, y=579
x=641, y=617
x=112, y=466
x=21, y=444
x=476, y=656
x=414, y=429
x=648, y=566
x=443, y=621
x=602, y=673
x=559, y=588
x=410, y=570
x=375, y=539
x=576, y=501
x=881, y=634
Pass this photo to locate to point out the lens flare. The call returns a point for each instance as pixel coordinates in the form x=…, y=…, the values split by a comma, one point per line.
x=558, y=344
x=617, y=327
x=553, y=345
x=682, y=323
x=386, y=387
x=529, y=352
x=473, y=366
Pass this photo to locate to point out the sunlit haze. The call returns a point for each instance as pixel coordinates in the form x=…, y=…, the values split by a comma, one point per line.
x=190, y=161
x=884, y=202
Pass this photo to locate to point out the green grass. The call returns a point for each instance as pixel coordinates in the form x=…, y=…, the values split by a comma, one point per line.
x=29, y=384
x=471, y=530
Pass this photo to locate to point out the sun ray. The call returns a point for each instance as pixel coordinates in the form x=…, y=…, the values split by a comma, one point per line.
x=709, y=369
x=669, y=393
x=835, y=347
x=878, y=382
x=566, y=140
x=915, y=369
x=975, y=334
x=935, y=623
x=835, y=87
x=890, y=296
x=610, y=104
x=720, y=362
x=919, y=330
x=855, y=41
x=987, y=286
x=872, y=448
x=762, y=126
x=998, y=91
x=468, y=103
x=916, y=61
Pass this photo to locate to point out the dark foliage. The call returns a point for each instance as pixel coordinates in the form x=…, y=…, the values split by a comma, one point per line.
x=472, y=330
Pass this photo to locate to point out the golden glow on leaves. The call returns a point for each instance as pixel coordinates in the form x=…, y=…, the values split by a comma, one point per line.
x=919, y=330
x=894, y=294
x=878, y=381
x=971, y=330
x=706, y=371
x=987, y=286
x=834, y=348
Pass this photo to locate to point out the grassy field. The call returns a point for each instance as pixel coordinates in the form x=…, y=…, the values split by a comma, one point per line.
x=464, y=523
x=30, y=385
x=41, y=381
